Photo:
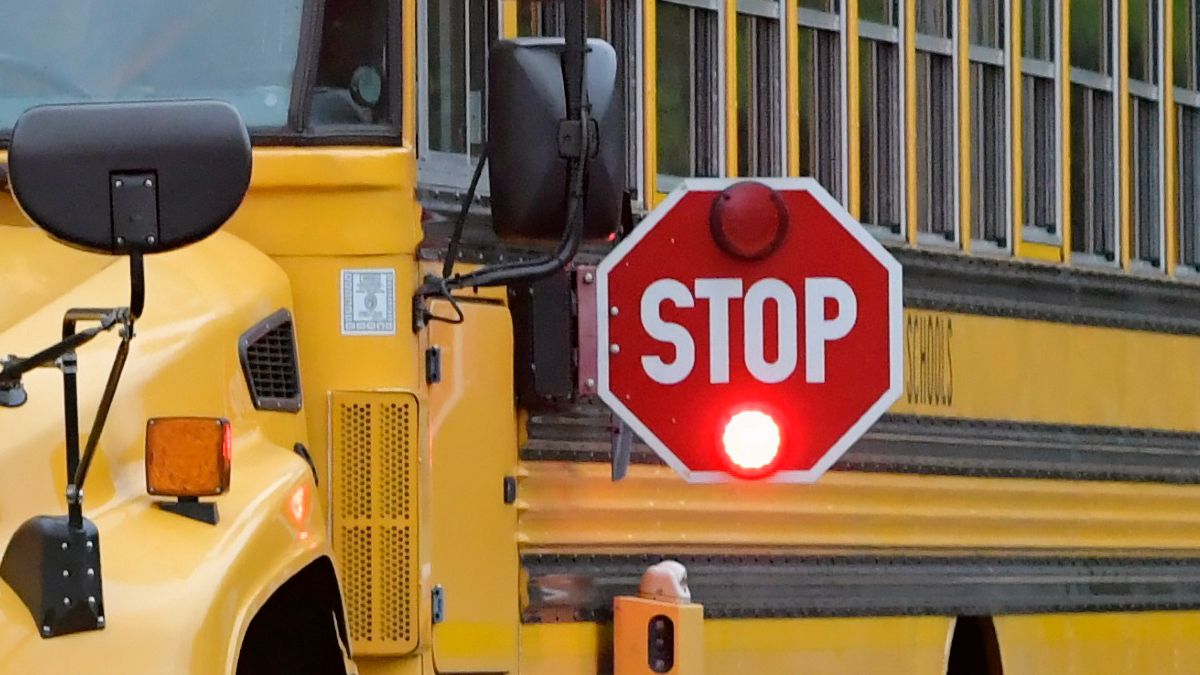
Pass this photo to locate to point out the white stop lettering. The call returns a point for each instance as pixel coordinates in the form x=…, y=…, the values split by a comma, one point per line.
x=819, y=330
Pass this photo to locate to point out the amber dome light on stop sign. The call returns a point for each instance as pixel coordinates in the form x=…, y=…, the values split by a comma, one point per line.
x=748, y=220
x=751, y=440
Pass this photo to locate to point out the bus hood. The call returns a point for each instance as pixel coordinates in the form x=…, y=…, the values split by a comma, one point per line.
x=183, y=361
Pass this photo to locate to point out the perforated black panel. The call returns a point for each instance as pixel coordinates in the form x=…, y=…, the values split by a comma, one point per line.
x=270, y=364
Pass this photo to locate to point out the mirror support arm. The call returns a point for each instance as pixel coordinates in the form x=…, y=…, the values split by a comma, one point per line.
x=77, y=479
x=137, y=284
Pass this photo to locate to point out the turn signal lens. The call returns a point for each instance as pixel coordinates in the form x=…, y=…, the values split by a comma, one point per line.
x=751, y=440
x=188, y=456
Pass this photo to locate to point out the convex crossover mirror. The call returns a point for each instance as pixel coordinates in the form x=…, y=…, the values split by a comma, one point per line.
x=528, y=175
x=122, y=178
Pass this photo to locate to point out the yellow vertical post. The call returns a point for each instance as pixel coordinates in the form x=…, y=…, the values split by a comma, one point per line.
x=792, y=31
x=911, y=190
x=853, y=151
x=508, y=20
x=650, y=100
x=1018, y=159
x=963, y=42
x=1126, y=215
x=731, y=88
x=1170, y=152
x=409, y=69
x=1064, y=179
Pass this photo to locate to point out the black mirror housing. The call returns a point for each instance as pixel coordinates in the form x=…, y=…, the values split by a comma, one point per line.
x=123, y=178
x=528, y=175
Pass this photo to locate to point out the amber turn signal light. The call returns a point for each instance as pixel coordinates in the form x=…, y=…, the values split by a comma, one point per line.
x=188, y=456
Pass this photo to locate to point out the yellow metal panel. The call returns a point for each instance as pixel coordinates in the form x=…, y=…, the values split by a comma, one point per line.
x=374, y=516
x=1162, y=643
x=729, y=16
x=1138, y=643
x=1170, y=208
x=417, y=664
x=963, y=38
x=1125, y=166
x=37, y=269
x=961, y=365
x=894, y=646
x=331, y=361
x=760, y=646
x=474, y=446
x=566, y=648
x=792, y=42
x=331, y=201
x=576, y=506
x=913, y=184
x=1038, y=251
x=509, y=19
x=853, y=76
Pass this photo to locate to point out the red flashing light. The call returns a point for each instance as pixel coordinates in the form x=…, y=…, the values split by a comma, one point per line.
x=748, y=220
x=227, y=444
x=751, y=441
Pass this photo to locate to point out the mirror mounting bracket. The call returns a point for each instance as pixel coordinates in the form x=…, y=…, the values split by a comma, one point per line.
x=134, y=201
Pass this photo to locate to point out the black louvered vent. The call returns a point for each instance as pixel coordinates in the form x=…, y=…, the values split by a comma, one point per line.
x=269, y=362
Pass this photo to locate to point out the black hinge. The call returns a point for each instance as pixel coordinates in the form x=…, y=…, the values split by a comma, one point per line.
x=439, y=604
x=433, y=365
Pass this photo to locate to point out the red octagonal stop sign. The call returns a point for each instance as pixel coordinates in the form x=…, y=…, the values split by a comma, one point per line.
x=749, y=319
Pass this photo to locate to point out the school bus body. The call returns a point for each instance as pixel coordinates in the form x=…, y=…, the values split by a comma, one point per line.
x=1037, y=482
x=180, y=594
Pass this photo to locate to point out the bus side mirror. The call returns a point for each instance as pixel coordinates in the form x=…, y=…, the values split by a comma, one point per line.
x=526, y=102
x=130, y=178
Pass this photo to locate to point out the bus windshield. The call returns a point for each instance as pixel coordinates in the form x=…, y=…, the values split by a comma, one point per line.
x=70, y=51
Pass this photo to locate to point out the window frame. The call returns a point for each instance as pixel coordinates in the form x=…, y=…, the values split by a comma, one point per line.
x=1154, y=93
x=816, y=20
x=1043, y=69
x=664, y=184
x=437, y=168
x=996, y=57
x=775, y=10
x=1187, y=97
x=945, y=47
x=1110, y=84
x=894, y=35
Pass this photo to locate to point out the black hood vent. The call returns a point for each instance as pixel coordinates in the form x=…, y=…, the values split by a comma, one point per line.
x=270, y=364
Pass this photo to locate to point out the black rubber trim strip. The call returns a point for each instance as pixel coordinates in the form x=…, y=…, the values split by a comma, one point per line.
x=305, y=71
x=566, y=588
x=1058, y=293
x=934, y=445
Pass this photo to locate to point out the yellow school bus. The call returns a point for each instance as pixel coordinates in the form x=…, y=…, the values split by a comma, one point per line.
x=315, y=453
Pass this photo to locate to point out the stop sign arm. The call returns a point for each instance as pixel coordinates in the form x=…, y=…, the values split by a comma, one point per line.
x=683, y=325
